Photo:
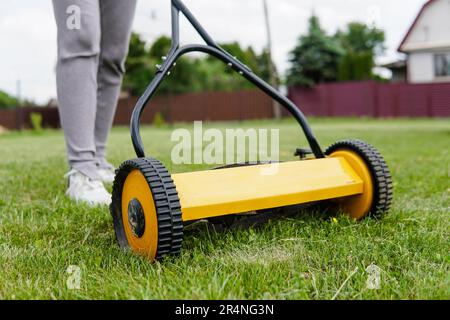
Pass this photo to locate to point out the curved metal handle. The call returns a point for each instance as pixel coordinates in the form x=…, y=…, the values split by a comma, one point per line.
x=214, y=50
x=236, y=65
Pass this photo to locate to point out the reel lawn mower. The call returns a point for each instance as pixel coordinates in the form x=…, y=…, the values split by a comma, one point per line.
x=150, y=206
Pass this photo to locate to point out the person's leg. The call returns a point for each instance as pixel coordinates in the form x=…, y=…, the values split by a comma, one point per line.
x=78, y=55
x=116, y=21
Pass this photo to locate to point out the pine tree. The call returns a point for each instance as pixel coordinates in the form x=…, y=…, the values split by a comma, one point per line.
x=315, y=59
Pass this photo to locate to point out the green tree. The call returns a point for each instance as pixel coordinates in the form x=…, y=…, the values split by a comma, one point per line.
x=356, y=66
x=316, y=57
x=264, y=67
x=139, y=65
x=246, y=56
x=182, y=77
x=359, y=37
x=361, y=44
x=192, y=73
x=7, y=101
x=226, y=79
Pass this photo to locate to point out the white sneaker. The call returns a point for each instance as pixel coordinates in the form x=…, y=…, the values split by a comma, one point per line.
x=83, y=189
x=106, y=175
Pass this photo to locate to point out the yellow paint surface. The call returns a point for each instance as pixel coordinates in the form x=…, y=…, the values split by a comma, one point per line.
x=214, y=193
x=136, y=187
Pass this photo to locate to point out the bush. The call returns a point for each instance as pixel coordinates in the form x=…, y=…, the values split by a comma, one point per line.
x=36, y=121
x=158, y=120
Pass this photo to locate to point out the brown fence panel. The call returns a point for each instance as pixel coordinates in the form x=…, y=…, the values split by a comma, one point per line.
x=20, y=118
x=207, y=106
x=413, y=101
x=440, y=100
x=189, y=107
x=50, y=117
x=123, y=112
x=374, y=100
x=387, y=100
x=338, y=99
x=311, y=101
x=125, y=109
x=8, y=119
x=351, y=99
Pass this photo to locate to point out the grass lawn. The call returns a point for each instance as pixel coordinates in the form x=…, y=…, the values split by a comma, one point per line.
x=304, y=257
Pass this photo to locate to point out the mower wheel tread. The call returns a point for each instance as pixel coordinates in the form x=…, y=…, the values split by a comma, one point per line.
x=383, y=190
x=167, y=204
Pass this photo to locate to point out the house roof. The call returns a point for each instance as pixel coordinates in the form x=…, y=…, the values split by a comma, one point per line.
x=399, y=64
x=424, y=7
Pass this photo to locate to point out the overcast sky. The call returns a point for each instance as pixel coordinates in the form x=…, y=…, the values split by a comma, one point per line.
x=28, y=47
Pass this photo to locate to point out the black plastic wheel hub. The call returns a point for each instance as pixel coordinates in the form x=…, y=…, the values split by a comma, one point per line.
x=136, y=218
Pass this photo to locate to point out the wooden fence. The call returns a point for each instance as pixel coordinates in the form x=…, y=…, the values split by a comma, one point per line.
x=373, y=99
x=207, y=106
x=368, y=99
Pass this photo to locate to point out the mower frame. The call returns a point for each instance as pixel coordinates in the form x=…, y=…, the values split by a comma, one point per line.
x=150, y=206
x=213, y=49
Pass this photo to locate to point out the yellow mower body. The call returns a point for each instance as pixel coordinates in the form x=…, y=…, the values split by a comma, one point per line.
x=150, y=206
x=213, y=193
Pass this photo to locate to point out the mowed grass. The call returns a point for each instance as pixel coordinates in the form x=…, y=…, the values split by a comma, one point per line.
x=308, y=256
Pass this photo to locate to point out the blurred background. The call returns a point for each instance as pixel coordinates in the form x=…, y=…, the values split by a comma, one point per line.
x=372, y=58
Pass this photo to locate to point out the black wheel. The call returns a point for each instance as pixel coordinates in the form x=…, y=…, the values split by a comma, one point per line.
x=371, y=166
x=146, y=209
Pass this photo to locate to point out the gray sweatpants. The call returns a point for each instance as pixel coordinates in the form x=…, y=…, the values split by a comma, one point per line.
x=93, y=39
